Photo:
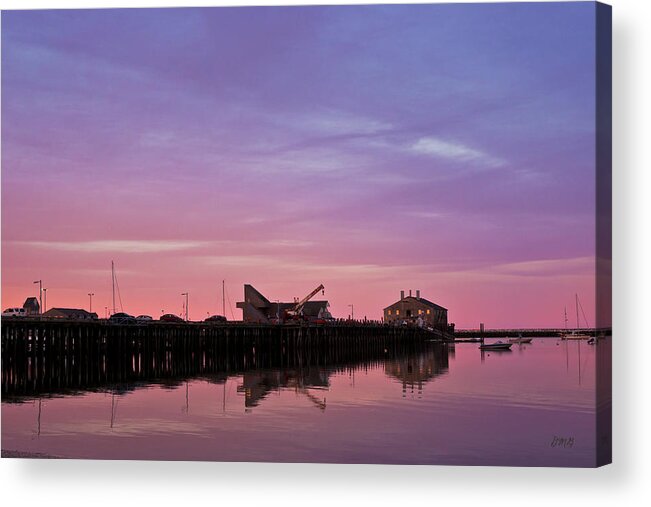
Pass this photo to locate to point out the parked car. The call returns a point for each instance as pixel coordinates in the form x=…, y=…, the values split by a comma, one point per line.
x=216, y=318
x=15, y=312
x=170, y=317
x=122, y=318
x=143, y=319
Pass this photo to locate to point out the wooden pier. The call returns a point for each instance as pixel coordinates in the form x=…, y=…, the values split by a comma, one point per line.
x=41, y=356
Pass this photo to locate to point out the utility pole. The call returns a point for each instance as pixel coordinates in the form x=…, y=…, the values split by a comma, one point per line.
x=186, y=305
x=44, y=300
x=90, y=304
x=352, y=312
x=40, y=294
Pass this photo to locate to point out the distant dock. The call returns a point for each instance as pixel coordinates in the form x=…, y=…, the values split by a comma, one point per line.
x=472, y=334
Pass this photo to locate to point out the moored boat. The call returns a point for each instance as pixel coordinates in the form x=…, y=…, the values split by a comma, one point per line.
x=575, y=334
x=520, y=340
x=495, y=346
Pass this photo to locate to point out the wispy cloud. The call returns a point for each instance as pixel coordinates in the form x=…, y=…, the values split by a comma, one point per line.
x=305, y=269
x=547, y=267
x=335, y=122
x=159, y=246
x=439, y=148
x=517, y=271
x=125, y=246
x=430, y=215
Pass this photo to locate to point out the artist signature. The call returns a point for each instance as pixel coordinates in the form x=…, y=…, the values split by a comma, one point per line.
x=564, y=442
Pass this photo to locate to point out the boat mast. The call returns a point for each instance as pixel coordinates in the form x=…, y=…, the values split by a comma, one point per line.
x=113, y=283
x=565, y=311
x=576, y=302
x=223, y=298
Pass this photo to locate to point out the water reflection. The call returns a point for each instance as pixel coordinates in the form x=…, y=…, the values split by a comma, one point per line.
x=416, y=370
x=341, y=405
x=258, y=370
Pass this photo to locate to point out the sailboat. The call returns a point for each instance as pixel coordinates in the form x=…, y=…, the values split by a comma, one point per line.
x=574, y=334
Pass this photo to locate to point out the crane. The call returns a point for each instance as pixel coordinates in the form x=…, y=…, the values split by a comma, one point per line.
x=297, y=310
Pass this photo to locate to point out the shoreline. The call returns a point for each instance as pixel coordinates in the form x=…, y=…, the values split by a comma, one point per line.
x=6, y=453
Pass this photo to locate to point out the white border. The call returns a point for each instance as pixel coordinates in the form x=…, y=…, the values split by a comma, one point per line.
x=626, y=482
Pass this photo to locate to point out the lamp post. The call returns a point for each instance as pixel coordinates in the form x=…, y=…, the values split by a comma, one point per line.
x=186, y=304
x=90, y=304
x=352, y=312
x=106, y=312
x=40, y=294
x=44, y=300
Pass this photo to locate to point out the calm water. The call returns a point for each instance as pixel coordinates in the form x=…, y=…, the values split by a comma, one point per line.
x=438, y=405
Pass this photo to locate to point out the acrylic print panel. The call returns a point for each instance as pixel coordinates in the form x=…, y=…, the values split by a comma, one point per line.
x=345, y=234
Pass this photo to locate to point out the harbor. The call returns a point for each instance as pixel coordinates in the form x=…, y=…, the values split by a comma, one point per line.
x=221, y=399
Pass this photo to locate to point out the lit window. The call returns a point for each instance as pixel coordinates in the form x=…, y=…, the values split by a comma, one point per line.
x=427, y=312
x=420, y=312
x=397, y=312
x=389, y=312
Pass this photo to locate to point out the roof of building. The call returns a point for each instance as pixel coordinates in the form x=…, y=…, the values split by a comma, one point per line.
x=426, y=302
x=310, y=309
x=250, y=290
x=69, y=311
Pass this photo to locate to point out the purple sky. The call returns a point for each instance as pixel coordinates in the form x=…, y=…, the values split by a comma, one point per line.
x=446, y=148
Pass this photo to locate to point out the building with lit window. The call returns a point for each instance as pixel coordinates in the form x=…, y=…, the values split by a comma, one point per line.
x=417, y=311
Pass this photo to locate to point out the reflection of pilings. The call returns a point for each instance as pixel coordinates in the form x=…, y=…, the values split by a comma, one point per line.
x=43, y=357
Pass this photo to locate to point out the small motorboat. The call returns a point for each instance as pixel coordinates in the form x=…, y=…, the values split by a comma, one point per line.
x=574, y=335
x=498, y=345
x=520, y=340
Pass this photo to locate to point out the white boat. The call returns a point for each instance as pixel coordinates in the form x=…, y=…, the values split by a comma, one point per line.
x=520, y=340
x=575, y=334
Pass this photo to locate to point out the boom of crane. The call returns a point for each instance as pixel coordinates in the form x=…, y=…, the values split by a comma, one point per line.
x=297, y=311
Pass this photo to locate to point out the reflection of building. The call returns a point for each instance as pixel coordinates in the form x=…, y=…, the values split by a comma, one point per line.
x=257, y=385
x=69, y=313
x=417, y=310
x=31, y=306
x=257, y=308
x=417, y=370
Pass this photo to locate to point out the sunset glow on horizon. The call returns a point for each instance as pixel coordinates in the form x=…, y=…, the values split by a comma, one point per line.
x=443, y=148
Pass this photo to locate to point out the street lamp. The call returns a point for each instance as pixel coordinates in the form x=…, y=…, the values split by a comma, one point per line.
x=90, y=305
x=40, y=294
x=186, y=304
x=44, y=300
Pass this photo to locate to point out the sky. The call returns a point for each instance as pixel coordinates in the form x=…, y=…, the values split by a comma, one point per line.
x=444, y=148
